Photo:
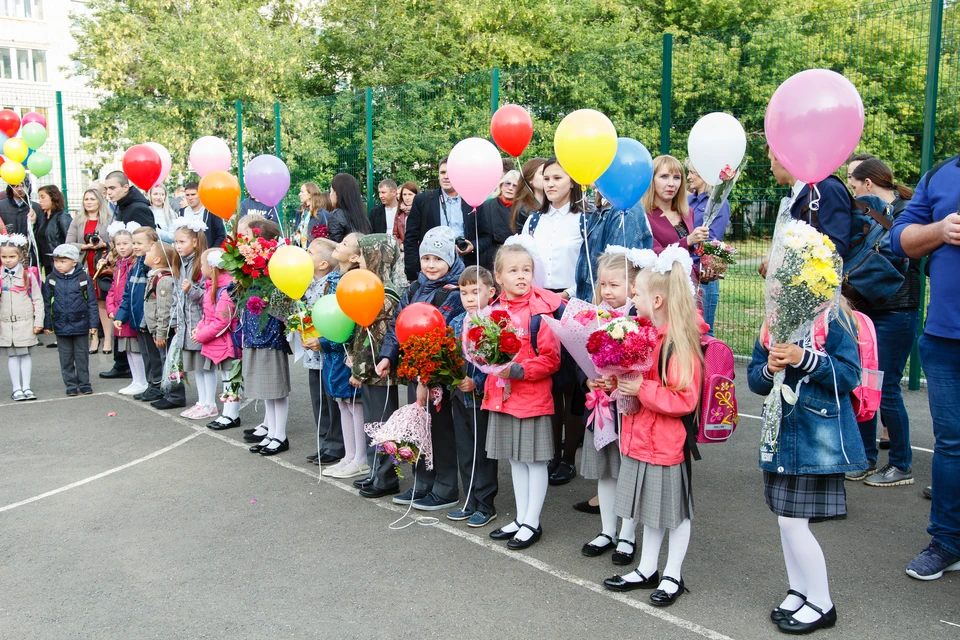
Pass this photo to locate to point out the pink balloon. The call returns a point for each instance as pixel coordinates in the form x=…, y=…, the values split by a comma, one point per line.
x=209, y=153
x=813, y=123
x=33, y=116
x=164, y=160
x=475, y=169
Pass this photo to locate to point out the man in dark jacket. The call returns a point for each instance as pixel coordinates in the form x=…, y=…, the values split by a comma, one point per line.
x=15, y=208
x=216, y=233
x=70, y=305
x=132, y=206
x=383, y=215
x=443, y=206
x=253, y=207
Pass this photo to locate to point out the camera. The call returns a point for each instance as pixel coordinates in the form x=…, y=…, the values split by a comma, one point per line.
x=462, y=243
x=92, y=238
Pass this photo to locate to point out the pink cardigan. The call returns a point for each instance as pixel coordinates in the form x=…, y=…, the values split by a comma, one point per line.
x=115, y=296
x=215, y=329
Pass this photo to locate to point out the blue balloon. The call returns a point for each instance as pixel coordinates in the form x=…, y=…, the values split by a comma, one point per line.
x=628, y=177
x=29, y=153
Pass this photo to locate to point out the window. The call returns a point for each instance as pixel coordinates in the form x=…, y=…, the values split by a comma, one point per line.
x=6, y=68
x=23, y=64
x=29, y=9
x=39, y=66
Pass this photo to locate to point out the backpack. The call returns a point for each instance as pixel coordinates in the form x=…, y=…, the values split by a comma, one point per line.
x=438, y=298
x=871, y=271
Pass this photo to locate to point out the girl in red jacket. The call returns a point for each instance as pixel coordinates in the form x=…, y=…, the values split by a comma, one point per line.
x=520, y=400
x=126, y=336
x=653, y=485
x=214, y=333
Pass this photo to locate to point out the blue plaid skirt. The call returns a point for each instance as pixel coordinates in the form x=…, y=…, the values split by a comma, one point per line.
x=805, y=496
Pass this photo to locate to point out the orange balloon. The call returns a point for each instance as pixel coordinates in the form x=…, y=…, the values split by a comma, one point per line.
x=219, y=193
x=360, y=296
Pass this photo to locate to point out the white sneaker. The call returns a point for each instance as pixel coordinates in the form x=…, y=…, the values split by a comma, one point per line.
x=349, y=470
x=132, y=389
x=333, y=469
x=205, y=412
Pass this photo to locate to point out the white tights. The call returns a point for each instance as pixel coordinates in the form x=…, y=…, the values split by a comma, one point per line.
x=650, y=554
x=206, y=387
x=530, y=481
x=276, y=419
x=354, y=438
x=20, y=368
x=138, y=370
x=806, y=568
x=607, y=495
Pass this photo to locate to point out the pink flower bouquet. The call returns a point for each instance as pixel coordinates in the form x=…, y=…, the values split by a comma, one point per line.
x=404, y=438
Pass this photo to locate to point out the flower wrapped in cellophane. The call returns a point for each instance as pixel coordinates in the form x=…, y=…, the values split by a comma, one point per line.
x=405, y=437
x=717, y=255
x=803, y=281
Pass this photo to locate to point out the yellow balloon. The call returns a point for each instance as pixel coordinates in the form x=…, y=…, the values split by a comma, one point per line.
x=291, y=269
x=15, y=149
x=12, y=172
x=585, y=144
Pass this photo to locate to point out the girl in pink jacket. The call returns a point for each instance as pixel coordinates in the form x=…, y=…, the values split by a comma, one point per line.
x=126, y=337
x=520, y=400
x=214, y=332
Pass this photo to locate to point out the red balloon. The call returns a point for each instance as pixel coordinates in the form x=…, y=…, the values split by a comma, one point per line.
x=142, y=165
x=512, y=129
x=9, y=122
x=418, y=319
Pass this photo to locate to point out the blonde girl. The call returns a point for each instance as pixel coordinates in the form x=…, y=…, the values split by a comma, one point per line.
x=21, y=314
x=190, y=241
x=215, y=333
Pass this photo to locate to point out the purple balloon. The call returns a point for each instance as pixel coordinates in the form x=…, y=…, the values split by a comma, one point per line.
x=267, y=179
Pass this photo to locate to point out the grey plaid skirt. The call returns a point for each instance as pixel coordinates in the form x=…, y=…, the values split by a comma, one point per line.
x=266, y=374
x=653, y=495
x=16, y=351
x=597, y=465
x=196, y=361
x=124, y=345
x=805, y=496
x=521, y=439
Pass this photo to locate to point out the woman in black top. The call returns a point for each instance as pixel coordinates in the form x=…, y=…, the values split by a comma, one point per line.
x=349, y=214
x=51, y=226
x=498, y=212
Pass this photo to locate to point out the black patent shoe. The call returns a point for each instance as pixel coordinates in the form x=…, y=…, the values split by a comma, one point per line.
x=780, y=613
x=253, y=437
x=622, y=559
x=794, y=627
x=264, y=441
x=661, y=598
x=592, y=551
x=500, y=534
x=270, y=451
x=565, y=473
x=617, y=583
x=517, y=545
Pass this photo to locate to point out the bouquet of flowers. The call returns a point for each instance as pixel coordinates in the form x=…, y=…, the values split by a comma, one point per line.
x=302, y=321
x=233, y=383
x=405, y=437
x=721, y=192
x=247, y=260
x=491, y=341
x=803, y=281
x=434, y=358
x=173, y=373
x=717, y=255
x=624, y=348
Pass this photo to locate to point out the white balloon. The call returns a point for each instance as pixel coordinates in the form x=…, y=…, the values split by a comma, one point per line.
x=165, y=160
x=717, y=140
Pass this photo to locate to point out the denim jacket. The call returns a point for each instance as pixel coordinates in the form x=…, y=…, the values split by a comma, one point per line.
x=603, y=229
x=473, y=399
x=818, y=435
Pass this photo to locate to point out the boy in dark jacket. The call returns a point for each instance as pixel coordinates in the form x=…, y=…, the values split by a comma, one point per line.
x=70, y=303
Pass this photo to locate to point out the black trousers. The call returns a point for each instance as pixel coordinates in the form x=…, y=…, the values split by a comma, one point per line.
x=331, y=435
x=470, y=447
x=75, y=361
x=442, y=479
x=154, y=359
x=374, y=400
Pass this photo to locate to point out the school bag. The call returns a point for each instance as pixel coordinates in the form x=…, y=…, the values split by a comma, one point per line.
x=718, y=417
x=871, y=271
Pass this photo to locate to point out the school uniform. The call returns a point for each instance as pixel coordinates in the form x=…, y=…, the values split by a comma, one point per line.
x=326, y=411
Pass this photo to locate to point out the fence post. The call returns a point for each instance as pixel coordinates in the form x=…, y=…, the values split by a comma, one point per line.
x=239, y=108
x=926, y=155
x=63, y=151
x=666, y=91
x=369, y=110
x=276, y=129
x=494, y=90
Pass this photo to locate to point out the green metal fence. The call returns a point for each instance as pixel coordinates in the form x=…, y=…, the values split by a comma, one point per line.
x=900, y=56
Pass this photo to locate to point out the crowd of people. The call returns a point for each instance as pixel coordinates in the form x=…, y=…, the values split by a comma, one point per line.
x=128, y=273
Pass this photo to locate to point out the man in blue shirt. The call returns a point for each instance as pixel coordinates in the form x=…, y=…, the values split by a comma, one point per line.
x=930, y=226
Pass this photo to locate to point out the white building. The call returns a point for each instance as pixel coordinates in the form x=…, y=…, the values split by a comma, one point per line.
x=35, y=47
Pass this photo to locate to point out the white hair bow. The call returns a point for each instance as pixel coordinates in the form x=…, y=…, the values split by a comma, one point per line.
x=672, y=256
x=539, y=269
x=215, y=259
x=194, y=223
x=641, y=258
x=16, y=239
x=116, y=227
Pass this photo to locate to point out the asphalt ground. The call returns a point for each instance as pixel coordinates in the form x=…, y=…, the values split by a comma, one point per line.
x=147, y=525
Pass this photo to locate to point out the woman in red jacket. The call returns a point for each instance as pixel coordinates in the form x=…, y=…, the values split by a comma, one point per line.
x=653, y=485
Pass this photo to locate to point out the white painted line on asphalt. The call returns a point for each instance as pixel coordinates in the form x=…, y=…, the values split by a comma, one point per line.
x=915, y=448
x=79, y=483
x=41, y=401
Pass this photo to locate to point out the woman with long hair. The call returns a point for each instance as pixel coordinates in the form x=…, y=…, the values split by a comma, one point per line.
x=408, y=191
x=88, y=232
x=163, y=215
x=349, y=214
x=51, y=226
x=311, y=216
x=529, y=195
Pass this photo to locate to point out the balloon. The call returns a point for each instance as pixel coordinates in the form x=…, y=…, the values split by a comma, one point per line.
x=220, y=193
x=12, y=172
x=360, y=294
x=141, y=164
x=716, y=141
x=3, y=139
x=813, y=123
x=208, y=154
x=9, y=122
x=15, y=149
x=475, y=169
x=26, y=161
x=33, y=116
x=34, y=134
x=267, y=179
x=332, y=323
x=165, y=161
x=628, y=177
x=585, y=143
x=512, y=129
x=291, y=269
x=39, y=164
x=418, y=319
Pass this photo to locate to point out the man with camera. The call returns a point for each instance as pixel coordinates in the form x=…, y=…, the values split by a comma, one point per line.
x=444, y=207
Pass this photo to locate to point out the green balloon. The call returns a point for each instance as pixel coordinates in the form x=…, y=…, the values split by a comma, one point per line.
x=332, y=323
x=39, y=163
x=34, y=134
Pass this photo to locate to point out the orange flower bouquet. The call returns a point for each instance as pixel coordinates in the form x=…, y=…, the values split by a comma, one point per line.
x=433, y=358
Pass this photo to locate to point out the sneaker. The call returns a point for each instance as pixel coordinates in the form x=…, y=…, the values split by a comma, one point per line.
x=407, y=497
x=480, y=519
x=459, y=514
x=191, y=412
x=854, y=476
x=890, y=476
x=151, y=394
x=932, y=563
x=86, y=391
x=433, y=502
x=206, y=412
x=329, y=471
x=928, y=492
x=347, y=471
x=132, y=389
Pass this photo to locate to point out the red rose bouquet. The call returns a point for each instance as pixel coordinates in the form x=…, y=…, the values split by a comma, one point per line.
x=624, y=348
x=491, y=340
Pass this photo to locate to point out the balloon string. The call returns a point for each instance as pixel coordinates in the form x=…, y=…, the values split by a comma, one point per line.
x=424, y=521
x=586, y=242
x=814, y=197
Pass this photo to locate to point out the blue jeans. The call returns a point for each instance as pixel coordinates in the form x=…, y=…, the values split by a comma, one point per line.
x=895, y=333
x=941, y=364
x=711, y=299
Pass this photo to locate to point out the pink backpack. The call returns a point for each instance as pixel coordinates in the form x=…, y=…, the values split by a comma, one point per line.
x=718, y=405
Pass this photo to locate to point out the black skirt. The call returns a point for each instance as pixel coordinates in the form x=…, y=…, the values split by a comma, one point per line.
x=805, y=496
